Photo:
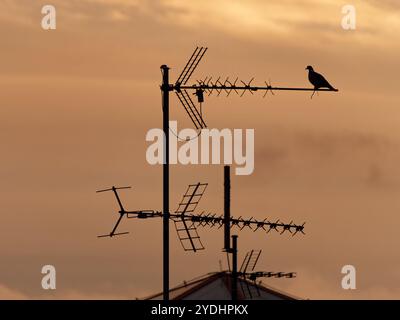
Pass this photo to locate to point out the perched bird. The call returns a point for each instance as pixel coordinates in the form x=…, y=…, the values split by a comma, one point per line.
x=318, y=80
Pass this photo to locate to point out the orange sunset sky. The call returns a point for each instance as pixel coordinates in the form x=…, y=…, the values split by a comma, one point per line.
x=77, y=102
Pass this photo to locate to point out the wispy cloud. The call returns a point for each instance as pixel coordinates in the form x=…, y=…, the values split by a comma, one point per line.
x=305, y=20
x=74, y=99
x=7, y=293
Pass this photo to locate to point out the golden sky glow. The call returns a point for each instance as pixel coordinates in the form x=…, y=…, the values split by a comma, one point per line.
x=77, y=102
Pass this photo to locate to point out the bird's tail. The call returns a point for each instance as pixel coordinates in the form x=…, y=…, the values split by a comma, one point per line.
x=333, y=89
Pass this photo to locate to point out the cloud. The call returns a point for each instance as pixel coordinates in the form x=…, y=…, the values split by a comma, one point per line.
x=7, y=293
x=79, y=295
x=307, y=20
x=257, y=19
x=78, y=102
x=311, y=285
x=16, y=13
x=323, y=144
x=386, y=4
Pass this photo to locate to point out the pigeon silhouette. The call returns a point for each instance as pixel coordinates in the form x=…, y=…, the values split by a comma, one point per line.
x=318, y=80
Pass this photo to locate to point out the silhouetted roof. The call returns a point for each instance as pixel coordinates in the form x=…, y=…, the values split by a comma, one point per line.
x=216, y=286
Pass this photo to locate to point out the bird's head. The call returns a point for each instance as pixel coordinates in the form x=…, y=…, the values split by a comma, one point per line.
x=309, y=68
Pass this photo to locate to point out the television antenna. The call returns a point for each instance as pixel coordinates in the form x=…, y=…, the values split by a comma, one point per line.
x=208, y=86
x=247, y=273
x=187, y=221
x=183, y=90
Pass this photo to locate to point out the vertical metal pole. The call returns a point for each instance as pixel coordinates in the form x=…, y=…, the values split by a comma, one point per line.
x=227, y=208
x=165, y=88
x=234, y=268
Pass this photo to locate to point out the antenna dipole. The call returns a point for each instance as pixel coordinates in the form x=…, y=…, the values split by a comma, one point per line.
x=121, y=212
